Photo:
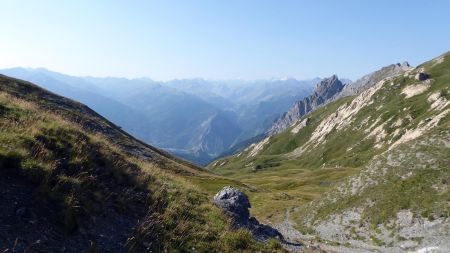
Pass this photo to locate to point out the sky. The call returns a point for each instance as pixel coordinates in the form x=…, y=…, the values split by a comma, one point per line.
x=221, y=39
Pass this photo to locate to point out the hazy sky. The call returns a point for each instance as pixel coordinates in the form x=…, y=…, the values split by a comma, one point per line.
x=221, y=39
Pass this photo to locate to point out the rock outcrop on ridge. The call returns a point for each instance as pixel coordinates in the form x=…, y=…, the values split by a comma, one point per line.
x=371, y=79
x=324, y=91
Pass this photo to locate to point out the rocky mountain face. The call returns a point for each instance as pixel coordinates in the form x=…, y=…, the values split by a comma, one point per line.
x=324, y=91
x=330, y=89
x=192, y=118
x=367, y=171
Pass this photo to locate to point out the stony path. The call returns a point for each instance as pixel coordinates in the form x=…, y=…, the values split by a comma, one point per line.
x=294, y=240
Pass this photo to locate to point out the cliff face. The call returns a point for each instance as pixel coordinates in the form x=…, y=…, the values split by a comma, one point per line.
x=324, y=91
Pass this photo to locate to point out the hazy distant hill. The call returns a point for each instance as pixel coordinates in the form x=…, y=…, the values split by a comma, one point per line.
x=181, y=116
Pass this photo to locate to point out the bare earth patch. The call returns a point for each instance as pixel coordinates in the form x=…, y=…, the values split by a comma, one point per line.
x=416, y=89
x=258, y=147
x=437, y=102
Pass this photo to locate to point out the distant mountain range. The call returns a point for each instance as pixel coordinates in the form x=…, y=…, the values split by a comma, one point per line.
x=195, y=119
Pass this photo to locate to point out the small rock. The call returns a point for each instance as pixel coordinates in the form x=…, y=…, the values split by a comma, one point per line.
x=421, y=76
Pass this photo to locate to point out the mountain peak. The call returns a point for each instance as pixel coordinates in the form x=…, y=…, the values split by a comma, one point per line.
x=328, y=87
x=324, y=91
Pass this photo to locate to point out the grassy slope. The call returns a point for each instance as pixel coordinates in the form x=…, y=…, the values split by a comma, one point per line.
x=419, y=168
x=83, y=168
x=289, y=182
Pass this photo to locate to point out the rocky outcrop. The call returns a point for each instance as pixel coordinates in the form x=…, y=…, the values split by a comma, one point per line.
x=324, y=92
x=421, y=76
x=371, y=79
x=236, y=204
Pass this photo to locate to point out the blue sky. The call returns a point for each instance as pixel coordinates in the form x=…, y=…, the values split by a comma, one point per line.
x=221, y=39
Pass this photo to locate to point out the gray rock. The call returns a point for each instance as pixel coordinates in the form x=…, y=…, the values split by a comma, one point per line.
x=236, y=204
x=421, y=76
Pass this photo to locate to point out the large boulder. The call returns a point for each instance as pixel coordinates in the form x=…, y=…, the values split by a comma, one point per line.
x=236, y=204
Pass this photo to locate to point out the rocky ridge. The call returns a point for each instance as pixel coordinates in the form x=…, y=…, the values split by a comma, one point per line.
x=324, y=91
x=331, y=89
x=371, y=79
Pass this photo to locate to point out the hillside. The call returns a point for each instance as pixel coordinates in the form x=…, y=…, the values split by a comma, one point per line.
x=71, y=181
x=365, y=172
